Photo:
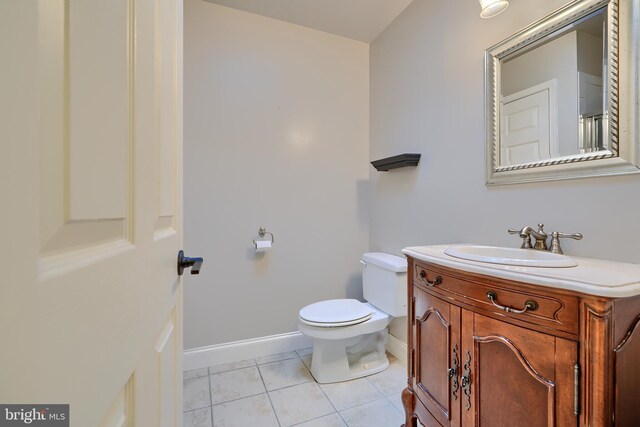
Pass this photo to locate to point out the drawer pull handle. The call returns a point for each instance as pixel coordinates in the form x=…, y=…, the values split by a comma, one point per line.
x=436, y=281
x=530, y=305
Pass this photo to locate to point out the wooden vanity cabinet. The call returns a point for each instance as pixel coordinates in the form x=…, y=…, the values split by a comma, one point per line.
x=572, y=360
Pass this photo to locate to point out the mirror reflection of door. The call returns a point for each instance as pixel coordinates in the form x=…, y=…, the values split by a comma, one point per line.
x=528, y=125
x=574, y=59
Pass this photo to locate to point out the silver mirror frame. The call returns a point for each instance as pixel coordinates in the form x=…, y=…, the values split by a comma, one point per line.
x=622, y=82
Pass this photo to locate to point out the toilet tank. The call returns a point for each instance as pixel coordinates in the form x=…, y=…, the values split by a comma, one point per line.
x=384, y=282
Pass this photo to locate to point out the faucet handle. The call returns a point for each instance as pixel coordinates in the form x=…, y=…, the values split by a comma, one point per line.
x=555, y=240
x=525, y=234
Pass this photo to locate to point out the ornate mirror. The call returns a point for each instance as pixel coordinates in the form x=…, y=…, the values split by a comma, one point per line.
x=561, y=97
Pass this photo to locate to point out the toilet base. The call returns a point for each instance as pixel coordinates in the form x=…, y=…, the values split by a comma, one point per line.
x=349, y=358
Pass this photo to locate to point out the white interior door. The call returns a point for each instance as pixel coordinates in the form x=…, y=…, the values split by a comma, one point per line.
x=91, y=133
x=527, y=121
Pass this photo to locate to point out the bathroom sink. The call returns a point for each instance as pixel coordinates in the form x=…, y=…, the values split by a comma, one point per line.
x=511, y=256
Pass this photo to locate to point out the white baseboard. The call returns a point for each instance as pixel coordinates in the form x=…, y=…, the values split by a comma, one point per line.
x=265, y=346
x=246, y=349
x=397, y=348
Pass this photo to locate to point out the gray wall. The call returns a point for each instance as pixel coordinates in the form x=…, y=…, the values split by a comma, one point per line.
x=426, y=96
x=249, y=80
x=276, y=134
x=589, y=53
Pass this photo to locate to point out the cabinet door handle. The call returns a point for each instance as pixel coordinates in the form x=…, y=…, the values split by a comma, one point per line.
x=453, y=373
x=466, y=381
x=530, y=305
x=436, y=281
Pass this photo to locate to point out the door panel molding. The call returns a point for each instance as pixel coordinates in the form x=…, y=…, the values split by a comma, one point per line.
x=88, y=290
x=523, y=360
x=52, y=266
x=166, y=104
x=422, y=323
x=86, y=134
x=120, y=414
x=545, y=382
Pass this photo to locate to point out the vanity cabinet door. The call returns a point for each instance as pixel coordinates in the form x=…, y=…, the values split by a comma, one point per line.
x=436, y=336
x=515, y=376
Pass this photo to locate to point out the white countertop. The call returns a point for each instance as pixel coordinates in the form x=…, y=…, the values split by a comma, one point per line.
x=591, y=276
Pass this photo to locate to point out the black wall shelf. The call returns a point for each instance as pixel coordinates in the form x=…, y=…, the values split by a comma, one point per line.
x=395, y=162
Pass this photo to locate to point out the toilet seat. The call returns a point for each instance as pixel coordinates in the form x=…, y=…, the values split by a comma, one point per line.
x=335, y=313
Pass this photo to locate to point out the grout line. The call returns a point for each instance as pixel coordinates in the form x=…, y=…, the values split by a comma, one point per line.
x=278, y=360
x=332, y=405
x=325, y=395
x=198, y=376
x=233, y=400
x=240, y=398
x=306, y=348
x=298, y=356
x=210, y=397
x=234, y=370
x=343, y=420
x=292, y=385
x=328, y=400
x=380, y=396
x=367, y=403
x=389, y=399
x=208, y=368
x=307, y=368
x=313, y=419
x=269, y=397
x=374, y=385
x=196, y=409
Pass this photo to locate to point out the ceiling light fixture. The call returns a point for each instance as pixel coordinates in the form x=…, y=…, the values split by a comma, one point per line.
x=491, y=8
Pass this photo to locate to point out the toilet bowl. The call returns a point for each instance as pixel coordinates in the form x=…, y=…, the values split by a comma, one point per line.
x=349, y=336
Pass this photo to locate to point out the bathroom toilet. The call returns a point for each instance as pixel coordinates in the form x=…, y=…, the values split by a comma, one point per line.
x=349, y=336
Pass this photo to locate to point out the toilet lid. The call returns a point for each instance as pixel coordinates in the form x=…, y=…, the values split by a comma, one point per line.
x=335, y=312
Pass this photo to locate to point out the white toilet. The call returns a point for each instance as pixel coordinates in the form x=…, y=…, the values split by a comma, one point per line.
x=349, y=336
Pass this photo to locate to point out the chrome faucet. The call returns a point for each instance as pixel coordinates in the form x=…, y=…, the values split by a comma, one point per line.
x=541, y=237
x=525, y=234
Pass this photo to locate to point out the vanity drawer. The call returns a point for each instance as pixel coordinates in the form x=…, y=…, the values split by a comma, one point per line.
x=553, y=310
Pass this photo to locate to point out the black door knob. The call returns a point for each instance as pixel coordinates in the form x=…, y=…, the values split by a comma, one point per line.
x=185, y=262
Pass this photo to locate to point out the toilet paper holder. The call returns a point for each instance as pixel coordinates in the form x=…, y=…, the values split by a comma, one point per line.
x=262, y=232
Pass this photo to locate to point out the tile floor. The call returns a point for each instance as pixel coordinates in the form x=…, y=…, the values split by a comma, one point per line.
x=279, y=391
